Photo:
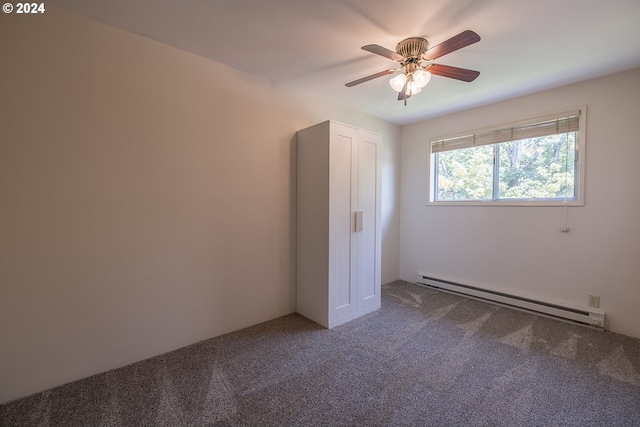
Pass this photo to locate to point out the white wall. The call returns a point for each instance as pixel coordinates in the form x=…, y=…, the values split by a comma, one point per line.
x=521, y=249
x=146, y=198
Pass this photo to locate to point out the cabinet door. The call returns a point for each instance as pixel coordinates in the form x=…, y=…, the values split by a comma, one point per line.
x=343, y=298
x=368, y=258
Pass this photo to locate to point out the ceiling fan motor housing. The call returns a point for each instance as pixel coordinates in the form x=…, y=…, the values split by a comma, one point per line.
x=413, y=47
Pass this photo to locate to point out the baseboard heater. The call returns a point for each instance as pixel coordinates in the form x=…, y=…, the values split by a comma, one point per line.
x=572, y=314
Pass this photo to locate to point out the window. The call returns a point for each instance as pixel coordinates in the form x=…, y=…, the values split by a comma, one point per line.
x=535, y=162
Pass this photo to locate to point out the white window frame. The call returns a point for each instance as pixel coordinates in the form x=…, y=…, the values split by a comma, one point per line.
x=579, y=170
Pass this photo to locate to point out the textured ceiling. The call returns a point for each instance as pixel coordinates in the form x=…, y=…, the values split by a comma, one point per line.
x=313, y=46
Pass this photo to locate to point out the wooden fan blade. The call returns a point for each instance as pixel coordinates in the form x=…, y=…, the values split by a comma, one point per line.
x=403, y=95
x=383, y=51
x=371, y=77
x=463, y=39
x=453, y=72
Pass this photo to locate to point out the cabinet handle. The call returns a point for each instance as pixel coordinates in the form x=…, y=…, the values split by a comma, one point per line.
x=359, y=220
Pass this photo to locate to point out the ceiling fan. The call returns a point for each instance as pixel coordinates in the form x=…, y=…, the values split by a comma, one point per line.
x=416, y=58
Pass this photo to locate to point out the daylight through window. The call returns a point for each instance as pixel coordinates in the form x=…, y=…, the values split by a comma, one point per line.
x=535, y=162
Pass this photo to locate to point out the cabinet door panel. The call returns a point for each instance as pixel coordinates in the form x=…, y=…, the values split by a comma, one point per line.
x=367, y=194
x=342, y=296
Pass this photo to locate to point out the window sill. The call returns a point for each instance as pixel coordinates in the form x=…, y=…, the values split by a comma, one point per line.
x=530, y=203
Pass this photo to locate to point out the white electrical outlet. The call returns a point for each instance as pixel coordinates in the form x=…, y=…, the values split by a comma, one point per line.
x=594, y=301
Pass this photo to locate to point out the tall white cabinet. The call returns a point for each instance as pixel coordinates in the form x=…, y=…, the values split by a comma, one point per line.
x=338, y=223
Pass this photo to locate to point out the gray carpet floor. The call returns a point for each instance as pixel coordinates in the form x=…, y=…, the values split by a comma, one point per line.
x=426, y=358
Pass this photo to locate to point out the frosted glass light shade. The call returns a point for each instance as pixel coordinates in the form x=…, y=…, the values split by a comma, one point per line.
x=421, y=77
x=397, y=83
x=413, y=88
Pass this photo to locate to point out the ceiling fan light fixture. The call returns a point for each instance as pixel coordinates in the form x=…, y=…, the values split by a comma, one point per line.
x=417, y=80
x=397, y=83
